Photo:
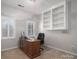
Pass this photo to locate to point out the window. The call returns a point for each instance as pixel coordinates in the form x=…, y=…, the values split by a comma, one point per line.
x=30, y=28
x=8, y=28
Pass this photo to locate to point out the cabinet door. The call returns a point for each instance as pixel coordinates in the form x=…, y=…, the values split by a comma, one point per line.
x=28, y=49
x=35, y=48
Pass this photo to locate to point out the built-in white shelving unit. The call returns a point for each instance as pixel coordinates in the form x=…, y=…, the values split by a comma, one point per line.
x=47, y=20
x=55, y=17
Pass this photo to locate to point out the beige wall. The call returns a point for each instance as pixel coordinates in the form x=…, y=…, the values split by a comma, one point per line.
x=11, y=43
x=20, y=27
x=65, y=40
x=20, y=18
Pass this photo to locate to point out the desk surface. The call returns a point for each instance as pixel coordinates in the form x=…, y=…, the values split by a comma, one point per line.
x=30, y=40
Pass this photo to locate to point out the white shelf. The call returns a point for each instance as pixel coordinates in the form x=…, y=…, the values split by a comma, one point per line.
x=55, y=17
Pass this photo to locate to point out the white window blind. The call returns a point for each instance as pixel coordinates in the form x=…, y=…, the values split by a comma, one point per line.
x=8, y=28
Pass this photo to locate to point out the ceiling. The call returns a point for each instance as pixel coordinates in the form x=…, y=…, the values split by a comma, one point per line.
x=31, y=7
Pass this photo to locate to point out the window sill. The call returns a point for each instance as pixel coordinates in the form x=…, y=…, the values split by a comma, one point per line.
x=8, y=38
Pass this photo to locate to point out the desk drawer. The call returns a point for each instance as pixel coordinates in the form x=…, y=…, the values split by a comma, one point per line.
x=34, y=43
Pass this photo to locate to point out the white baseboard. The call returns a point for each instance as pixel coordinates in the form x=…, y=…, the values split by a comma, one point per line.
x=62, y=50
x=9, y=48
x=47, y=46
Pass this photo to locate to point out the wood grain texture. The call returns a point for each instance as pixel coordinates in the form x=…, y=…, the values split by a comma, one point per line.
x=30, y=48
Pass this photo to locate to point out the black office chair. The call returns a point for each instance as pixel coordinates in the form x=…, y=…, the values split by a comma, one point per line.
x=41, y=37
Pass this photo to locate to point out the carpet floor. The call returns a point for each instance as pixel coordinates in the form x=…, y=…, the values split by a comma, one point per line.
x=45, y=54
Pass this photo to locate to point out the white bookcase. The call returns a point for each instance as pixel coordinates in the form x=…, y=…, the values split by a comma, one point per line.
x=47, y=20
x=55, y=17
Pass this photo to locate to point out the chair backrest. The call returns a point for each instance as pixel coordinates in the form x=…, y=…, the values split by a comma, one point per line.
x=41, y=37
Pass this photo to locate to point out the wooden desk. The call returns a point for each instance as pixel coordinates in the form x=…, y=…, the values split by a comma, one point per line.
x=30, y=48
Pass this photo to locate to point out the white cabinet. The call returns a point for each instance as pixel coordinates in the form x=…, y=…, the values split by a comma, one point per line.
x=55, y=17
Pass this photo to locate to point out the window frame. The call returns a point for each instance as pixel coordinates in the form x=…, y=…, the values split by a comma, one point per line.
x=8, y=34
x=33, y=32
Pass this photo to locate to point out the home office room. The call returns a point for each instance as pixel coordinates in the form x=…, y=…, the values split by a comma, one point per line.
x=39, y=29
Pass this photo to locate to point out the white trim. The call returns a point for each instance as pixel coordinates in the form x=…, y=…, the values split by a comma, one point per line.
x=58, y=5
x=54, y=6
x=61, y=50
x=8, y=38
x=8, y=48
